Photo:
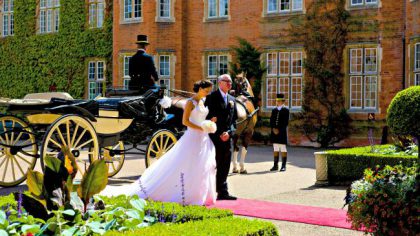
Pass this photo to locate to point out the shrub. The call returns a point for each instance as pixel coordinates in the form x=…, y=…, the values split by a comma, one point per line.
x=386, y=201
x=226, y=226
x=404, y=113
x=166, y=211
x=348, y=164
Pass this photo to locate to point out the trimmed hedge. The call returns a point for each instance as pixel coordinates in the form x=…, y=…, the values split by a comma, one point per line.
x=346, y=165
x=168, y=209
x=226, y=226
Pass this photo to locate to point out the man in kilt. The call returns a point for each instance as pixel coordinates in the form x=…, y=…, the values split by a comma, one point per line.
x=278, y=122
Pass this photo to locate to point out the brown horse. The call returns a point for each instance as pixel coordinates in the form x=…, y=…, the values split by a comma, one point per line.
x=245, y=124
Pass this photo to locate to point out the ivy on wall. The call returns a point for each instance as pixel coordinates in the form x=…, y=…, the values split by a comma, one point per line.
x=32, y=62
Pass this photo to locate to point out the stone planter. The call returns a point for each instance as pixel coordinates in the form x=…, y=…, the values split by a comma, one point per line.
x=321, y=166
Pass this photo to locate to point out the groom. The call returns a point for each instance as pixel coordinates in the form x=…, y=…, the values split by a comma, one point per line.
x=223, y=106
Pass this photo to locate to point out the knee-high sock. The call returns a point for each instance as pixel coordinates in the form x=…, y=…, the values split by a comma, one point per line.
x=243, y=155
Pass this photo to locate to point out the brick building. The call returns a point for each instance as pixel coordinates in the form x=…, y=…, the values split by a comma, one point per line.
x=191, y=40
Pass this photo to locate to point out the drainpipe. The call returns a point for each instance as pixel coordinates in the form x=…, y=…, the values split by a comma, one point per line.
x=403, y=42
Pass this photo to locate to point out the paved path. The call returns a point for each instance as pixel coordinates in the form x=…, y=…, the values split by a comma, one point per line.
x=295, y=186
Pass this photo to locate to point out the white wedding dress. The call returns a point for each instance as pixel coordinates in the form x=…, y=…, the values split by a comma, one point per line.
x=185, y=174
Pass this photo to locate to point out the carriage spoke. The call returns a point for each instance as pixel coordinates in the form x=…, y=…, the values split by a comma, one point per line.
x=113, y=166
x=80, y=137
x=23, y=159
x=55, y=143
x=172, y=144
x=2, y=140
x=6, y=136
x=61, y=136
x=84, y=144
x=5, y=170
x=25, y=142
x=166, y=143
x=18, y=138
x=4, y=159
x=74, y=135
x=157, y=144
x=13, y=133
x=13, y=168
x=18, y=165
x=155, y=152
x=68, y=133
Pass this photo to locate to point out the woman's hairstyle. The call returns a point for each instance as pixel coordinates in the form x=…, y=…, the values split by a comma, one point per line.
x=202, y=84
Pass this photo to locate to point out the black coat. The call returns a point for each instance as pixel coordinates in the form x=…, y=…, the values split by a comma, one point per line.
x=142, y=71
x=226, y=114
x=279, y=119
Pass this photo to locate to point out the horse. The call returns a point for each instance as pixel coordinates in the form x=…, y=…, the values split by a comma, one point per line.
x=245, y=123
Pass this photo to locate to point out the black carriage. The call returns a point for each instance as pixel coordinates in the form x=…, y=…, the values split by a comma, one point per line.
x=109, y=128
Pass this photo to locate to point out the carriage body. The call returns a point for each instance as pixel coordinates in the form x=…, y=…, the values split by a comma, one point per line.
x=46, y=123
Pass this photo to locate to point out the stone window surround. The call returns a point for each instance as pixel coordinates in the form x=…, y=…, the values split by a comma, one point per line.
x=96, y=21
x=364, y=5
x=217, y=18
x=172, y=61
x=95, y=79
x=277, y=75
x=132, y=19
x=362, y=46
x=171, y=17
x=53, y=23
x=10, y=13
x=279, y=13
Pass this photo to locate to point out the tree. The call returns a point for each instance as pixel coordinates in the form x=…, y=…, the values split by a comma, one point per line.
x=323, y=32
x=247, y=59
x=403, y=113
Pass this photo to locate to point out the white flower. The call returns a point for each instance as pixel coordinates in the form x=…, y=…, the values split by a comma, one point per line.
x=209, y=126
x=165, y=102
x=231, y=103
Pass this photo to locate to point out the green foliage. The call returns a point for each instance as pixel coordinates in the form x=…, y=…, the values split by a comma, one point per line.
x=167, y=210
x=324, y=34
x=32, y=62
x=386, y=201
x=247, y=59
x=93, y=181
x=404, y=113
x=348, y=164
x=225, y=226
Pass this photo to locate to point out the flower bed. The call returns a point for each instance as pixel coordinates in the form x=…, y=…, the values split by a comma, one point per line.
x=348, y=164
x=128, y=215
x=386, y=202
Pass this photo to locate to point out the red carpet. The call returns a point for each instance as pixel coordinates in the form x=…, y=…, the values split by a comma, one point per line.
x=287, y=212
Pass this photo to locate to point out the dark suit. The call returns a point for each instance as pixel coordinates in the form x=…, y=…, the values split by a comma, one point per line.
x=226, y=118
x=141, y=70
x=279, y=119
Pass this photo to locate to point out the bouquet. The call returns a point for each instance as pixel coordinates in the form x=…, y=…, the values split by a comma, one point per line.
x=209, y=126
x=386, y=201
x=165, y=102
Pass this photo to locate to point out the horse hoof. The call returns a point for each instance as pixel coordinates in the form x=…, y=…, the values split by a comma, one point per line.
x=235, y=171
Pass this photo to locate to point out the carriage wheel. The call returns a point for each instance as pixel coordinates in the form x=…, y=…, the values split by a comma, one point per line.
x=160, y=143
x=114, y=161
x=75, y=133
x=15, y=161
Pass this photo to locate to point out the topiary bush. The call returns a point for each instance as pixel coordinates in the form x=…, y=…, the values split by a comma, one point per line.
x=403, y=113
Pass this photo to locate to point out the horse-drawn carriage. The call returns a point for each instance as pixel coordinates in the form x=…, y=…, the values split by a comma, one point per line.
x=47, y=123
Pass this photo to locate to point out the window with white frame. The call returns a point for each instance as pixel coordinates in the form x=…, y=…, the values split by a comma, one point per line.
x=126, y=75
x=49, y=16
x=165, y=73
x=96, y=78
x=7, y=18
x=284, y=6
x=284, y=75
x=363, y=74
x=417, y=64
x=217, y=8
x=164, y=8
x=132, y=10
x=96, y=13
x=363, y=2
x=216, y=65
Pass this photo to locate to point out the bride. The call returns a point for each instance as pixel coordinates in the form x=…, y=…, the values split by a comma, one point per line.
x=186, y=173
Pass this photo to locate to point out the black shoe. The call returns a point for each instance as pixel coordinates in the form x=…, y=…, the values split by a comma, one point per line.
x=274, y=168
x=226, y=197
x=283, y=168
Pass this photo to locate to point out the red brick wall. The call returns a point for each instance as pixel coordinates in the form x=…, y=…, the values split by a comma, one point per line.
x=191, y=36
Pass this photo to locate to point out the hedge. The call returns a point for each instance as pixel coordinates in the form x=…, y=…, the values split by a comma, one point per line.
x=168, y=209
x=226, y=226
x=348, y=164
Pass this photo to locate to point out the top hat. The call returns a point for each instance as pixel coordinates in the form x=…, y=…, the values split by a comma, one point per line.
x=142, y=39
x=280, y=97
